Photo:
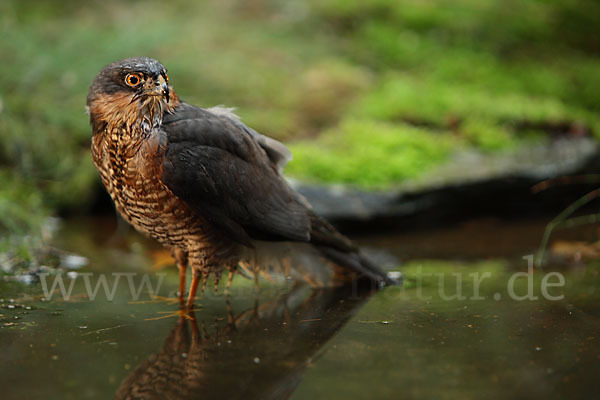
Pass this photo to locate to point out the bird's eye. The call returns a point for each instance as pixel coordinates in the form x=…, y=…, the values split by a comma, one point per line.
x=133, y=80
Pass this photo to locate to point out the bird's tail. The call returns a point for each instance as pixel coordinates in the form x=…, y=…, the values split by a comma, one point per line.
x=356, y=267
x=330, y=259
x=352, y=264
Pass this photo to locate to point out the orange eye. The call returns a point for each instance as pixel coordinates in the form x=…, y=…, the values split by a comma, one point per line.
x=133, y=79
x=166, y=77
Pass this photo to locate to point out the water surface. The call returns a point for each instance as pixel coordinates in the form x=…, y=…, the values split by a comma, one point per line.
x=438, y=336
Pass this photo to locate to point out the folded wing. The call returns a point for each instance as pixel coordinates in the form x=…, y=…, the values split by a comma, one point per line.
x=229, y=174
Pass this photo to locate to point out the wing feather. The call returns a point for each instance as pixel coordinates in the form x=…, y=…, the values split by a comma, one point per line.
x=224, y=173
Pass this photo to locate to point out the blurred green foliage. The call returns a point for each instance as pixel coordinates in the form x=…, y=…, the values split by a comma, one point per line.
x=365, y=92
x=23, y=214
x=480, y=74
x=395, y=152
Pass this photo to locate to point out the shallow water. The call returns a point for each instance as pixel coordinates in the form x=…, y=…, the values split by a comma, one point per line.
x=437, y=336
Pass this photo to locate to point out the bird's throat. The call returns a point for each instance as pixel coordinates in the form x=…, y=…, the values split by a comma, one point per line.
x=124, y=112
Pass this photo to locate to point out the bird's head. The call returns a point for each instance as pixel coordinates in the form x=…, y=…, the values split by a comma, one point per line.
x=130, y=91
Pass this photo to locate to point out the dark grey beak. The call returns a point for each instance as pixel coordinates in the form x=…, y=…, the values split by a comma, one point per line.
x=165, y=91
x=164, y=86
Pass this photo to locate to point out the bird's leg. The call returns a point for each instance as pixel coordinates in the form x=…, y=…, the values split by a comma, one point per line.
x=230, y=317
x=180, y=257
x=217, y=279
x=181, y=260
x=193, y=289
x=256, y=274
x=204, y=280
x=181, y=283
x=229, y=280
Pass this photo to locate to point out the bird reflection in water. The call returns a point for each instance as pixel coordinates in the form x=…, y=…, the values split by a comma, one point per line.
x=261, y=353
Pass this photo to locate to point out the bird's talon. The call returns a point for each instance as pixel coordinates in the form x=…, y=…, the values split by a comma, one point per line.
x=181, y=313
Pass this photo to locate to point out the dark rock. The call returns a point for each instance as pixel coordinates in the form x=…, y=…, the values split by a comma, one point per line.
x=469, y=185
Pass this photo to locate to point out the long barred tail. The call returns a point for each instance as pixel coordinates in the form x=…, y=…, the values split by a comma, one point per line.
x=344, y=253
x=330, y=259
x=357, y=267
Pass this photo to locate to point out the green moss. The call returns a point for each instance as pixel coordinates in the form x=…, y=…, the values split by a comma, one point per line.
x=404, y=97
x=22, y=214
x=369, y=153
x=487, y=135
x=393, y=87
x=14, y=190
x=427, y=268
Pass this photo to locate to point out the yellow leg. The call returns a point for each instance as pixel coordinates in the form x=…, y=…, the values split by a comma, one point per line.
x=193, y=289
x=181, y=282
x=229, y=280
x=217, y=278
x=181, y=258
x=204, y=280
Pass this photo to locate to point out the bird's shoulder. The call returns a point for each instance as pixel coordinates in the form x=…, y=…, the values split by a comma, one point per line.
x=228, y=174
x=221, y=127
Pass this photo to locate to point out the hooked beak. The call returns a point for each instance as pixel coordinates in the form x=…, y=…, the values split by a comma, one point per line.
x=163, y=86
x=157, y=87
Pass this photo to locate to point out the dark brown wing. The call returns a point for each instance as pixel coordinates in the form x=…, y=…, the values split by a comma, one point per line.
x=225, y=174
x=277, y=153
